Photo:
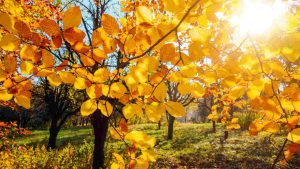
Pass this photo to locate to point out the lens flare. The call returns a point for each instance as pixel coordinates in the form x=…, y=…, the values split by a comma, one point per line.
x=257, y=17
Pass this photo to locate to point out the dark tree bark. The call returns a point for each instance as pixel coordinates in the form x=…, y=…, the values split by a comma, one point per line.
x=52, y=138
x=214, y=126
x=158, y=125
x=100, y=126
x=55, y=127
x=171, y=120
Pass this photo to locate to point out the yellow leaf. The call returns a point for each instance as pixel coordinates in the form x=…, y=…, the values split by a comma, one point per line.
x=210, y=77
x=117, y=90
x=105, y=107
x=54, y=80
x=42, y=72
x=47, y=59
x=26, y=67
x=272, y=127
x=67, y=77
x=195, y=51
x=4, y=95
x=129, y=44
x=237, y=91
x=28, y=52
x=141, y=162
x=115, y=166
x=233, y=126
x=154, y=111
x=101, y=75
x=235, y=120
x=81, y=47
x=141, y=139
x=9, y=42
x=174, y=6
x=116, y=133
x=175, y=109
x=109, y=45
x=110, y=25
x=199, y=35
x=290, y=54
x=98, y=36
x=23, y=100
x=149, y=155
x=131, y=110
x=143, y=14
x=7, y=22
x=99, y=55
x=80, y=83
x=144, y=89
x=154, y=35
x=87, y=61
x=88, y=107
x=149, y=64
x=189, y=71
x=256, y=126
x=119, y=158
x=72, y=17
x=197, y=90
x=160, y=92
x=184, y=88
x=94, y=91
x=294, y=136
x=296, y=105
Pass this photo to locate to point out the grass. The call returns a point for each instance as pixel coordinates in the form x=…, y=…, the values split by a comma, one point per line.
x=193, y=146
x=71, y=135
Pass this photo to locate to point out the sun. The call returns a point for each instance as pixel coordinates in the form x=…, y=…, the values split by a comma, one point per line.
x=258, y=17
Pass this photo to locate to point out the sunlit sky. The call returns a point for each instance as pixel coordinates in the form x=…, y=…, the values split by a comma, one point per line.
x=258, y=17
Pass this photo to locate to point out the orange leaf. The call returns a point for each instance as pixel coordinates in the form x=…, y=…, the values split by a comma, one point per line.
x=50, y=27
x=110, y=25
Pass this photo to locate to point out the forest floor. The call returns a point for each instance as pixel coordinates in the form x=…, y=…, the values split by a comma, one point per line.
x=193, y=146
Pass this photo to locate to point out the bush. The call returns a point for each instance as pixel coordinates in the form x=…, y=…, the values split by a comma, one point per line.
x=246, y=118
x=68, y=157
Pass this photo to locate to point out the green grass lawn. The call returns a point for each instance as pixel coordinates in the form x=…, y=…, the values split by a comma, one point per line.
x=193, y=146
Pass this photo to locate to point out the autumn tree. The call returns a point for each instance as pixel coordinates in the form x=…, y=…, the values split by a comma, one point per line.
x=176, y=93
x=60, y=104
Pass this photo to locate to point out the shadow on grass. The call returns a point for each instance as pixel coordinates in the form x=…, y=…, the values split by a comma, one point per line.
x=63, y=141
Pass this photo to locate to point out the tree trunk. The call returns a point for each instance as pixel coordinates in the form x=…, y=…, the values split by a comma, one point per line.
x=100, y=126
x=53, y=134
x=214, y=126
x=159, y=125
x=170, y=127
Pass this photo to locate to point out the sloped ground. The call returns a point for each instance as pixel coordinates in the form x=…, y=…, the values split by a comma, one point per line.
x=193, y=146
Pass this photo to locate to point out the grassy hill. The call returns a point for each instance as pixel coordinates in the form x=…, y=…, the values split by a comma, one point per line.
x=193, y=146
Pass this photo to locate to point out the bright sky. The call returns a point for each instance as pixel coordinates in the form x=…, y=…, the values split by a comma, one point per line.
x=257, y=17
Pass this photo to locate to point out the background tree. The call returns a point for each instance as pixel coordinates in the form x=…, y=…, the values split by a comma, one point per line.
x=175, y=96
x=61, y=103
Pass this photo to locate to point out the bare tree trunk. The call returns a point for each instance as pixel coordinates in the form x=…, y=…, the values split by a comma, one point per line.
x=53, y=133
x=158, y=125
x=171, y=120
x=214, y=126
x=86, y=122
x=100, y=126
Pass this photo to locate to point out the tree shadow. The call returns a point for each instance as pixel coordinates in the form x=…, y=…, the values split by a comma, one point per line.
x=63, y=141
